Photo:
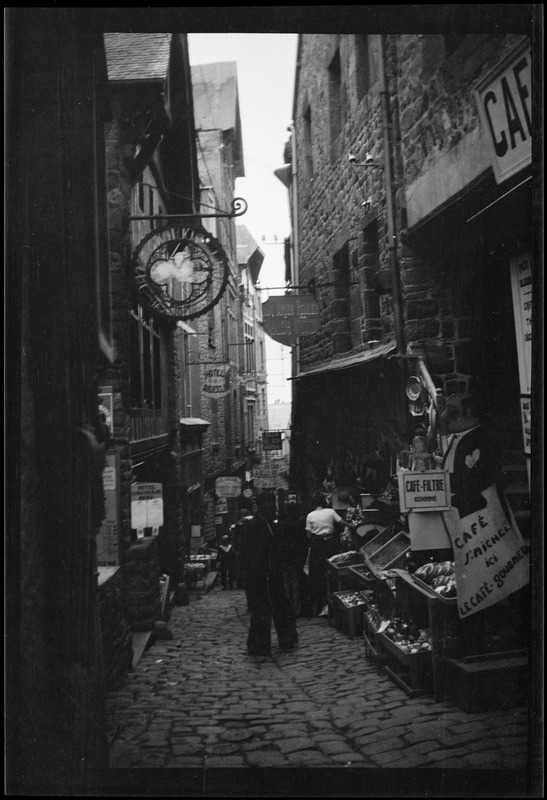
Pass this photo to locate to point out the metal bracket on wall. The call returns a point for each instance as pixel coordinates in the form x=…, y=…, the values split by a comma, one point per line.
x=239, y=207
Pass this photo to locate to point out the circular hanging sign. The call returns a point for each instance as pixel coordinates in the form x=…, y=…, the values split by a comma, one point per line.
x=180, y=271
x=413, y=388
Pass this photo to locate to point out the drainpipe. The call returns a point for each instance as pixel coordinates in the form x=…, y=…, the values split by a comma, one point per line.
x=398, y=319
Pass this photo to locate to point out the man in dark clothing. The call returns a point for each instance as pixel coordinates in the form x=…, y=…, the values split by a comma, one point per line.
x=291, y=550
x=256, y=556
x=227, y=563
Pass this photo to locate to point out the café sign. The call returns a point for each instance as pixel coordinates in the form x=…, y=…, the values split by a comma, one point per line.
x=424, y=491
x=504, y=101
x=180, y=271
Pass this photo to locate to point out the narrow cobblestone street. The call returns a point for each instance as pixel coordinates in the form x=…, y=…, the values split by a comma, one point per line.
x=199, y=702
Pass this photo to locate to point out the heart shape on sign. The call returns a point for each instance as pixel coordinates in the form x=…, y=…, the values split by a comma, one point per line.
x=472, y=458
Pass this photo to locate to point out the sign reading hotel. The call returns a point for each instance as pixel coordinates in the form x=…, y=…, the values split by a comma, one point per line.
x=504, y=101
x=146, y=507
x=286, y=317
x=215, y=380
x=424, y=491
x=180, y=272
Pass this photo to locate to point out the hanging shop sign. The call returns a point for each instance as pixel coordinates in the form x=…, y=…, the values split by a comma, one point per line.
x=271, y=440
x=180, y=271
x=228, y=487
x=265, y=476
x=146, y=507
x=107, y=539
x=504, y=100
x=424, y=491
x=215, y=380
x=490, y=556
x=286, y=317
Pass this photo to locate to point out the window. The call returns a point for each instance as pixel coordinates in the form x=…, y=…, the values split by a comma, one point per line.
x=146, y=380
x=250, y=358
x=307, y=144
x=250, y=419
x=371, y=297
x=365, y=65
x=335, y=97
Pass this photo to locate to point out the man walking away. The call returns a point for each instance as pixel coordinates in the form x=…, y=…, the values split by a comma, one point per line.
x=292, y=549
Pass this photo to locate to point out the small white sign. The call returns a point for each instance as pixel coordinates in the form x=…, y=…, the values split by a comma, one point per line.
x=424, y=491
x=221, y=506
x=228, y=487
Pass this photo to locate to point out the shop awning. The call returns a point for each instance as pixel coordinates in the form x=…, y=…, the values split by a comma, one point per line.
x=350, y=361
x=194, y=424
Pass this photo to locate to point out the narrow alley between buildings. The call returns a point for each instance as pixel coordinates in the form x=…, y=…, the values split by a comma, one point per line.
x=200, y=704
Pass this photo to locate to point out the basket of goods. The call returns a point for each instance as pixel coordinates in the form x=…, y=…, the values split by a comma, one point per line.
x=438, y=577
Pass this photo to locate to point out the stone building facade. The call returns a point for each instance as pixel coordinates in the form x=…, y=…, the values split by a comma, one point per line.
x=409, y=238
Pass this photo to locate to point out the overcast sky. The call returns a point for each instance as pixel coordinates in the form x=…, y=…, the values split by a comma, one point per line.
x=266, y=64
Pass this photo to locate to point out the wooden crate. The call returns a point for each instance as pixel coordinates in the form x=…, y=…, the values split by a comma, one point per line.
x=349, y=620
x=413, y=672
x=489, y=684
x=340, y=578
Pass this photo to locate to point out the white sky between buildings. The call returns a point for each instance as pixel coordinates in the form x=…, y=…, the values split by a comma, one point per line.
x=266, y=64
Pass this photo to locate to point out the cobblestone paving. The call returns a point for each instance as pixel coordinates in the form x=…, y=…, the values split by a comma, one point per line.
x=199, y=701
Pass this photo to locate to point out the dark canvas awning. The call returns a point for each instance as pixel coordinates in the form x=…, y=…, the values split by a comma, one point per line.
x=351, y=361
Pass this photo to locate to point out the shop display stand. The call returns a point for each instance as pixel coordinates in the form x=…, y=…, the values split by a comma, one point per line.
x=373, y=650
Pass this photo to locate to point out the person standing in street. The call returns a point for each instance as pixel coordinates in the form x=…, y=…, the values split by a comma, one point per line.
x=291, y=551
x=324, y=543
x=257, y=550
x=227, y=563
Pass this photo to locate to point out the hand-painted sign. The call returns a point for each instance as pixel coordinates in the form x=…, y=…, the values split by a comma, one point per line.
x=221, y=506
x=228, y=487
x=146, y=507
x=423, y=491
x=490, y=556
x=286, y=317
x=504, y=100
x=215, y=380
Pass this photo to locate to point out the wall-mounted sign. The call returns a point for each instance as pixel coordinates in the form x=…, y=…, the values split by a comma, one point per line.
x=271, y=440
x=180, y=271
x=221, y=506
x=521, y=284
x=423, y=491
x=146, y=507
x=228, y=487
x=107, y=538
x=215, y=380
x=286, y=317
x=504, y=100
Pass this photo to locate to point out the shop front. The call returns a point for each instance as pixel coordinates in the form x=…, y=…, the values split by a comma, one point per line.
x=441, y=595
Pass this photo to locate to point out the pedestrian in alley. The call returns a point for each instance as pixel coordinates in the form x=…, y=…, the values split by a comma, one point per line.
x=237, y=533
x=324, y=540
x=258, y=544
x=291, y=551
x=227, y=563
